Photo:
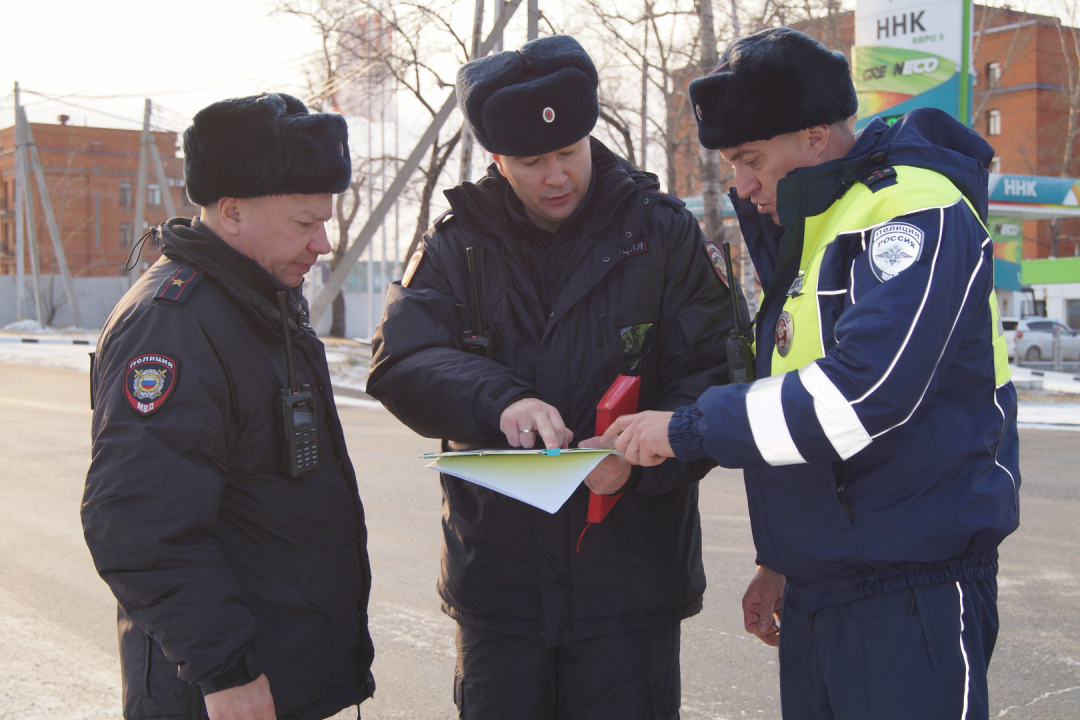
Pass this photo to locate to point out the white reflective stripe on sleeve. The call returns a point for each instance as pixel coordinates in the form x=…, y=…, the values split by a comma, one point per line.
x=838, y=419
x=766, y=415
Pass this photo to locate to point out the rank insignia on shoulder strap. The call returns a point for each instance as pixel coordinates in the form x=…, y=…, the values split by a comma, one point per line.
x=716, y=258
x=414, y=263
x=149, y=381
x=178, y=284
x=880, y=178
x=667, y=198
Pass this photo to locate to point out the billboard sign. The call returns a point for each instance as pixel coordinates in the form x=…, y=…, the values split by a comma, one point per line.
x=909, y=54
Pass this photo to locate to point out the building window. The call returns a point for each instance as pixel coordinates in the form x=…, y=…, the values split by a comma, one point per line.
x=993, y=74
x=995, y=166
x=127, y=197
x=127, y=232
x=993, y=122
x=153, y=195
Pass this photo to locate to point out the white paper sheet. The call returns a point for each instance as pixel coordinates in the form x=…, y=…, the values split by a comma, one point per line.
x=535, y=477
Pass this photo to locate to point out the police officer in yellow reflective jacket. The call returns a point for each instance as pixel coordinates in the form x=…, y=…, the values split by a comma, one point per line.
x=879, y=440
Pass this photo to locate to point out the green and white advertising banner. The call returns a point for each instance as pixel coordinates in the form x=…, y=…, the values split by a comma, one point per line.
x=909, y=54
x=1008, y=236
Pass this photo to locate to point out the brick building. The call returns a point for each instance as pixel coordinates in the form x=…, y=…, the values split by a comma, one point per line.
x=91, y=174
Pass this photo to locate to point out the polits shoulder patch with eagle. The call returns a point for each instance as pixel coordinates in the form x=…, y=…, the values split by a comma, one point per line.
x=719, y=263
x=894, y=248
x=149, y=381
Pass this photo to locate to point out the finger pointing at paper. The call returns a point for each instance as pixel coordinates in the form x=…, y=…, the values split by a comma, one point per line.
x=642, y=438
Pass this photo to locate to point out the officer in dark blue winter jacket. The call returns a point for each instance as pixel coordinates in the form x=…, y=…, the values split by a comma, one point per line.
x=880, y=440
x=585, y=271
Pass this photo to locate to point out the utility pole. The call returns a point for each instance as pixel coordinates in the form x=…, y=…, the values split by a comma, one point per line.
x=30, y=227
x=474, y=52
x=50, y=219
x=645, y=84
x=159, y=170
x=534, y=20
x=140, y=189
x=19, y=215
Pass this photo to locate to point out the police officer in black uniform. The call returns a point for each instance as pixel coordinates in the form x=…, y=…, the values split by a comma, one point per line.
x=221, y=506
x=561, y=269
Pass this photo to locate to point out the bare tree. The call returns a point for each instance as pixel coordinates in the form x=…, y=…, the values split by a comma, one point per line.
x=1069, y=37
x=656, y=44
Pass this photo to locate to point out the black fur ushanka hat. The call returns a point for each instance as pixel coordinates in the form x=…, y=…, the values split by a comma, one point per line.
x=773, y=82
x=531, y=101
x=264, y=145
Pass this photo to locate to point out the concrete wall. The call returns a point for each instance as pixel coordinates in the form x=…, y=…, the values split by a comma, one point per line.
x=356, y=319
x=96, y=297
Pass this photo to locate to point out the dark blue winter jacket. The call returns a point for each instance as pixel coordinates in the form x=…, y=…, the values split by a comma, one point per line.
x=892, y=458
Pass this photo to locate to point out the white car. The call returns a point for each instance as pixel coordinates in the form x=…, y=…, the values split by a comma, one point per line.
x=1035, y=340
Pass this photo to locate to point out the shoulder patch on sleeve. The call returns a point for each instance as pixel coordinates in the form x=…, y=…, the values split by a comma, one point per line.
x=178, y=285
x=667, y=198
x=149, y=381
x=716, y=259
x=894, y=247
x=414, y=263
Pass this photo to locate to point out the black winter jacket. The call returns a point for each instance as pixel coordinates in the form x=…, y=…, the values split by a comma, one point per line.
x=218, y=560
x=637, y=296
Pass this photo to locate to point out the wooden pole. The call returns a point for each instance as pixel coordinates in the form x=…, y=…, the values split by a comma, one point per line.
x=20, y=215
x=50, y=220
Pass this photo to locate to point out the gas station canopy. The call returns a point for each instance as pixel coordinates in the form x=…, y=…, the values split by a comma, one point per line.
x=1031, y=197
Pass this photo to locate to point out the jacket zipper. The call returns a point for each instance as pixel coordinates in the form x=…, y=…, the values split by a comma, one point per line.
x=573, y=250
x=520, y=290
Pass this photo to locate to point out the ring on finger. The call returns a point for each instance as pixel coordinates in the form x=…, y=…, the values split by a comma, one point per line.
x=529, y=430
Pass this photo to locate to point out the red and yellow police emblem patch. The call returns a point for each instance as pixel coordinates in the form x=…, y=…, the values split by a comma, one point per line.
x=149, y=381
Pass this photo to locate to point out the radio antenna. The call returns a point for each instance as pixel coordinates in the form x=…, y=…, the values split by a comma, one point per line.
x=282, y=305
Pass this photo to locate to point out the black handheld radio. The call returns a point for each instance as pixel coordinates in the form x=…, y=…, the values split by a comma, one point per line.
x=296, y=415
x=740, y=359
x=477, y=341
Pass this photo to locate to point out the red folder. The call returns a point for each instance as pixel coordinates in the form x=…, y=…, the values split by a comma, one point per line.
x=620, y=399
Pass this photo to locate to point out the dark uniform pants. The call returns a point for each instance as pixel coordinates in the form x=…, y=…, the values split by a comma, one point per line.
x=915, y=653
x=624, y=676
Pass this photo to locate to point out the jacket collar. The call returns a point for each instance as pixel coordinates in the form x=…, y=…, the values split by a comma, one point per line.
x=188, y=240
x=613, y=179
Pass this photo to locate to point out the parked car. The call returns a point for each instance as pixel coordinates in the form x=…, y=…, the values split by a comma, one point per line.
x=1035, y=340
x=1008, y=324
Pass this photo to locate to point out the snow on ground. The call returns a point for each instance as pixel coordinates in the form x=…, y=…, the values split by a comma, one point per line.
x=1055, y=406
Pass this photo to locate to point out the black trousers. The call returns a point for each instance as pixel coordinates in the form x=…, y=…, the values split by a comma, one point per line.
x=621, y=676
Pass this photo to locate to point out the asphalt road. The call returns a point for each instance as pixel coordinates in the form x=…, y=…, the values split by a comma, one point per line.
x=57, y=630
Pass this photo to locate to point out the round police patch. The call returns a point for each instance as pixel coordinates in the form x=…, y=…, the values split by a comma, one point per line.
x=549, y=115
x=785, y=333
x=149, y=381
x=894, y=248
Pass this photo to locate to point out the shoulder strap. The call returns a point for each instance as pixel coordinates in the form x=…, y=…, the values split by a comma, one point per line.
x=178, y=285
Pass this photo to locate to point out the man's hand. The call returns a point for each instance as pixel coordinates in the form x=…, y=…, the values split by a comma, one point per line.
x=244, y=702
x=642, y=438
x=522, y=421
x=761, y=605
x=609, y=476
